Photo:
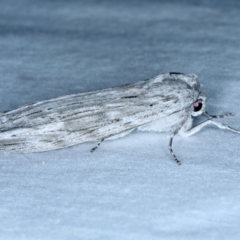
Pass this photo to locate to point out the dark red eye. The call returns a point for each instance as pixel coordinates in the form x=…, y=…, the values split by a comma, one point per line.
x=197, y=106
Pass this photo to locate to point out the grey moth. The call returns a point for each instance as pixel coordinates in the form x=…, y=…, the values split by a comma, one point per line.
x=167, y=102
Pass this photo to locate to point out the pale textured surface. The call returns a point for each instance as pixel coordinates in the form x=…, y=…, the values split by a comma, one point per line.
x=129, y=188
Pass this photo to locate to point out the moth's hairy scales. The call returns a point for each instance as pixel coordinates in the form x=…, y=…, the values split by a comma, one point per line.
x=91, y=116
x=166, y=102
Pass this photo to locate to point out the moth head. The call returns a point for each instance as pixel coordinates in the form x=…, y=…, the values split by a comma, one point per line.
x=199, y=105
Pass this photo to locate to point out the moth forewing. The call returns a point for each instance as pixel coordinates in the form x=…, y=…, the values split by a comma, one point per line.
x=92, y=116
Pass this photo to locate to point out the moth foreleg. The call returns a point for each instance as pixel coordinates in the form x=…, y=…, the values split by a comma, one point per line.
x=197, y=128
x=218, y=116
x=171, y=151
x=93, y=149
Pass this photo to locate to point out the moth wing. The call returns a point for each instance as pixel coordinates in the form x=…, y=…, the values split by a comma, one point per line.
x=92, y=116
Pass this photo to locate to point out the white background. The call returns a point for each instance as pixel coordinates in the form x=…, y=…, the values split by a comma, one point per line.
x=129, y=188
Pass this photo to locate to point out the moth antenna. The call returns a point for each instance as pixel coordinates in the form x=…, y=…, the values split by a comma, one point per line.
x=225, y=127
x=93, y=149
x=171, y=151
x=218, y=116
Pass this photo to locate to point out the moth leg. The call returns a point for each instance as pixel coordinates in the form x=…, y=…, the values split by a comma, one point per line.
x=171, y=151
x=197, y=128
x=218, y=116
x=93, y=149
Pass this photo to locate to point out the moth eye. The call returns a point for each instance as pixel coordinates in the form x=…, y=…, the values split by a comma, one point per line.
x=197, y=106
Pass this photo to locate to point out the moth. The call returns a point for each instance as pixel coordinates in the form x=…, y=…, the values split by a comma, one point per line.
x=167, y=102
